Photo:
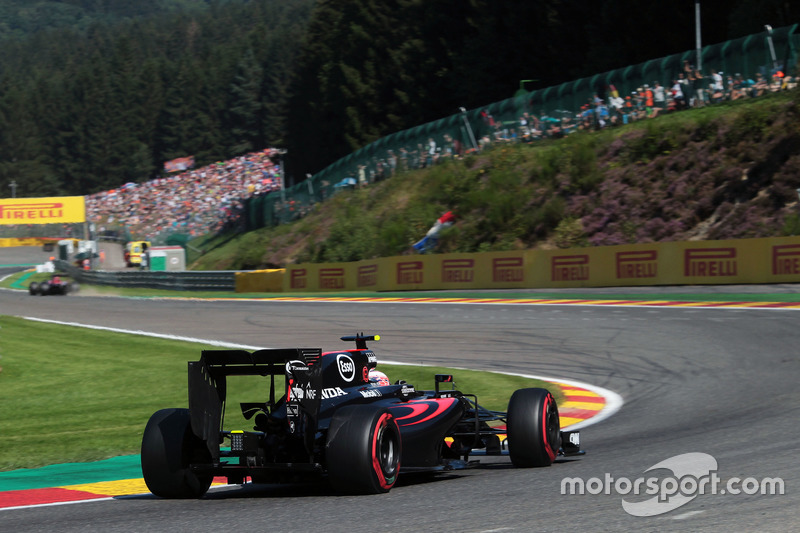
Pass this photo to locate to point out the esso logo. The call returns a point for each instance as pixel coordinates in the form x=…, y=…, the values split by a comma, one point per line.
x=347, y=368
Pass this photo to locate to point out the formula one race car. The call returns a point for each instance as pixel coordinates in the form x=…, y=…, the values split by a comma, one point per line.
x=332, y=421
x=54, y=285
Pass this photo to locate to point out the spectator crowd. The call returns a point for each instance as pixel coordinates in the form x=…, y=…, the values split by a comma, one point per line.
x=606, y=108
x=209, y=199
x=690, y=89
x=194, y=202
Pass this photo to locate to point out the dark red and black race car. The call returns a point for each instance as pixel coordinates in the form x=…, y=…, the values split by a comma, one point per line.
x=55, y=285
x=331, y=420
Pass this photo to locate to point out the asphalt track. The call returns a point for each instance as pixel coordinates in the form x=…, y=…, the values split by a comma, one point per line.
x=721, y=382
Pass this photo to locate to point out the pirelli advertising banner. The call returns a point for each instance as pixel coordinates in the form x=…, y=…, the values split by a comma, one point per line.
x=769, y=260
x=59, y=210
x=416, y=272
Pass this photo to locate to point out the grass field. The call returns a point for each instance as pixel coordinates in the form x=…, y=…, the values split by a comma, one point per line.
x=70, y=394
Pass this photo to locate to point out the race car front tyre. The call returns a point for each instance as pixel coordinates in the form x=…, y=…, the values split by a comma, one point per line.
x=533, y=428
x=168, y=448
x=363, y=450
x=33, y=288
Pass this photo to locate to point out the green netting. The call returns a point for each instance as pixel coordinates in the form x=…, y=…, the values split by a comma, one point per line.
x=553, y=109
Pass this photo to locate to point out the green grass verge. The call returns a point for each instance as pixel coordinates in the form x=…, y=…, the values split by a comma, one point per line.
x=71, y=394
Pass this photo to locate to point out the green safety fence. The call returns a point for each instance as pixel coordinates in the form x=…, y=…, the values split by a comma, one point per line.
x=553, y=109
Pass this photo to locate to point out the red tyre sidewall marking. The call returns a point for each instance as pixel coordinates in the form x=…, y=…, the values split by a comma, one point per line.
x=545, y=408
x=382, y=425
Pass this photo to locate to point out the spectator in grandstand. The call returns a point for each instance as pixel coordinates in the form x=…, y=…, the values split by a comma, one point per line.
x=746, y=85
x=685, y=91
x=716, y=80
x=760, y=85
x=195, y=202
x=524, y=131
x=602, y=115
x=776, y=84
x=659, y=96
x=715, y=92
x=677, y=94
x=433, y=153
x=699, y=87
x=392, y=160
x=362, y=175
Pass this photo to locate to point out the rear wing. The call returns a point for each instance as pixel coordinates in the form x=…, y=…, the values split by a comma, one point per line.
x=208, y=384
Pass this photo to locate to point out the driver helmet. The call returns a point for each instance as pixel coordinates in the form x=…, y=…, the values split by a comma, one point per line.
x=378, y=378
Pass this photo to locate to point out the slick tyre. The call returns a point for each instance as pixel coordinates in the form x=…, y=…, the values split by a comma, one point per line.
x=168, y=448
x=33, y=288
x=44, y=288
x=534, y=431
x=363, y=450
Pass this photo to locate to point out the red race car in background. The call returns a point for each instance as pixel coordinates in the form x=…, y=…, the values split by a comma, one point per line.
x=55, y=285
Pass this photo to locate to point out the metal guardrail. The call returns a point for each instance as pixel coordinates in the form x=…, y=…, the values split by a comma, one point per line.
x=178, y=281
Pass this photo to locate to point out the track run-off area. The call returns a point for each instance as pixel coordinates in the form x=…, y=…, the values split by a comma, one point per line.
x=714, y=380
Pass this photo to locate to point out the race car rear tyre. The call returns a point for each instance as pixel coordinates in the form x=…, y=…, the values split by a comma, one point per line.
x=168, y=448
x=534, y=431
x=72, y=287
x=33, y=288
x=44, y=288
x=363, y=450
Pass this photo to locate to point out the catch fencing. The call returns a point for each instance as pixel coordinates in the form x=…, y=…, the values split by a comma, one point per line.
x=468, y=130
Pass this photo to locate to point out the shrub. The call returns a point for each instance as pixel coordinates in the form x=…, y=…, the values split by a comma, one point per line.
x=569, y=234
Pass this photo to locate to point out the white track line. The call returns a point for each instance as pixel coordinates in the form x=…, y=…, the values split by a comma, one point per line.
x=613, y=400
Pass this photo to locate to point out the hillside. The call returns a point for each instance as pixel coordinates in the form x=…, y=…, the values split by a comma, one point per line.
x=722, y=172
x=95, y=94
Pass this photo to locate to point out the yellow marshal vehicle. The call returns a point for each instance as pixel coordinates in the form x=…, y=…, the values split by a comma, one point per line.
x=134, y=251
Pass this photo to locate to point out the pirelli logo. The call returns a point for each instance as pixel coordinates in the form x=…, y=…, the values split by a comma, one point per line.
x=298, y=278
x=367, y=276
x=458, y=270
x=410, y=272
x=508, y=269
x=709, y=262
x=636, y=265
x=36, y=211
x=331, y=278
x=786, y=260
x=55, y=210
x=569, y=267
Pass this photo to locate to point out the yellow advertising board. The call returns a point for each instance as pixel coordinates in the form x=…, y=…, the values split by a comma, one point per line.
x=316, y=277
x=767, y=260
x=57, y=210
x=491, y=270
x=270, y=280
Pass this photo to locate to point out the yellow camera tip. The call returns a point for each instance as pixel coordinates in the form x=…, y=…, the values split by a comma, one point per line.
x=377, y=337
